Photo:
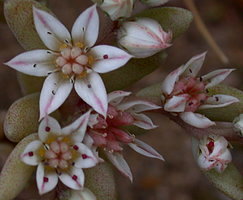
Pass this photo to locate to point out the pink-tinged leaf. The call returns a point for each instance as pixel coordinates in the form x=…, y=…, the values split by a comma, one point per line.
x=48, y=125
x=116, y=97
x=46, y=179
x=196, y=120
x=92, y=90
x=86, y=159
x=78, y=128
x=108, y=58
x=170, y=80
x=216, y=77
x=86, y=28
x=145, y=149
x=74, y=178
x=176, y=103
x=30, y=155
x=193, y=66
x=51, y=31
x=142, y=121
x=219, y=100
x=137, y=106
x=119, y=162
x=55, y=91
x=34, y=63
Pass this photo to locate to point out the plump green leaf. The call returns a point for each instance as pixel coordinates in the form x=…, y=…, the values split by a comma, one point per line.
x=101, y=182
x=22, y=118
x=227, y=113
x=176, y=20
x=15, y=174
x=19, y=16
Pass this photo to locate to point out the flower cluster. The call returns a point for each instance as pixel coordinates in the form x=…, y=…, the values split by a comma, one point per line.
x=72, y=60
x=184, y=93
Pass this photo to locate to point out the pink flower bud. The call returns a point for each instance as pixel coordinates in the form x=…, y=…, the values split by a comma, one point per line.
x=143, y=37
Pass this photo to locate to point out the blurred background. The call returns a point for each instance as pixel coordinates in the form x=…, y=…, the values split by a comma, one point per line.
x=178, y=178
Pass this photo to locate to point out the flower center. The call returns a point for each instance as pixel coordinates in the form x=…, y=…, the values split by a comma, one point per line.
x=193, y=89
x=73, y=61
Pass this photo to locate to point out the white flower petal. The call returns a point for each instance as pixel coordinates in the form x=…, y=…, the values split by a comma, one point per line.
x=226, y=156
x=48, y=125
x=51, y=31
x=92, y=90
x=108, y=58
x=219, y=100
x=86, y=28
x=216, y=77
x=87, y=159
x=193, y=66
x=176, y=103
x=34, y=63
x=143, y=121
x=145, y=149
x=118, y=161
x=46, y=179
x=137, y=106
x=116, y=97
x=196, y=120
x=220, y=145
x=204, y=163
x=170, y=80
x=74, y=178
x=84, y=194
x=55, y=91
x=78, y=128
x=30, y=156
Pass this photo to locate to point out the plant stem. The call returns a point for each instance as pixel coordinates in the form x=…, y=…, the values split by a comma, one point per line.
x=205, y=33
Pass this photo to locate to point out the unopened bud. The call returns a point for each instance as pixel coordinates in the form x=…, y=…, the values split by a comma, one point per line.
x=238, y=124
x=143, y=37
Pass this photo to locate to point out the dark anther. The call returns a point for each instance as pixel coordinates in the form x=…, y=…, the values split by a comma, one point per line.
x=53, y=92
x=49, y=33
x=190, y=70
x=34, y=65
x=89, y=86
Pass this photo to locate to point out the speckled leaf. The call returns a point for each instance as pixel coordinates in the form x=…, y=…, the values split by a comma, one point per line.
x=229, y=182
x=176, y=20
x=100, y=181
x=15, y=174
x=19, y=16
x=22, y=118
x=29, y=84
x=227, y=113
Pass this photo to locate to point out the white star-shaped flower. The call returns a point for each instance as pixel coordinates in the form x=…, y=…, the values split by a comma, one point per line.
x=70, y=61
x=60, y=154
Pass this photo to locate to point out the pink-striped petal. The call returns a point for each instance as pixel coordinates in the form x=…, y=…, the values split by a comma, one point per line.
x=34, y=63
x=78, y=128
x=46, y=179
x=116, y=97
x=51, y=31
x=119, y=162
x=92, y=90
x=74, y=178
x=219, y=100
x=86, y=28
x=30, y=155
x=142, y=121
x=193, y=66
x=216, y=77
x=196, y=120
x=145, y=149
x=87, y=159
x=138, y=106
x=55, y=91
x=176, y=103
x=108, y=58
x=48, y=125
x=170, y=80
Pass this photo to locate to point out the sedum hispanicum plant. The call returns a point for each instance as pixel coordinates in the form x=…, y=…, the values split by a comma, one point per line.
x=66, y=140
